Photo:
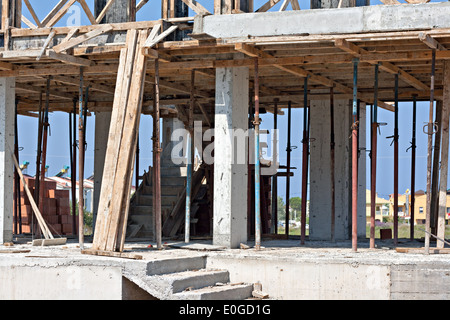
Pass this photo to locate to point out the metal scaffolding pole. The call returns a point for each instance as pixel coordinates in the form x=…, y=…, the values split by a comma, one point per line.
x=413, y=168
x=257, y=122
x=288, y=171
x=396, y=163
x=157, y=159
x=305, y=158
x=275, y=177
x=430, y=131
x=355, y=158
x=190, y=161
x=373, y=160
x=81, y=163
x=332, y=167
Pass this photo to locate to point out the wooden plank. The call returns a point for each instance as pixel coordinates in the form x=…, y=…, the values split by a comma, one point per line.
x=284, y=5
x=104, y=11
x=78, y=40
x=295, y=5
x=49, y=242
x=59, y=14
x=53, y=12
x=124, y=75
x=421, y=250
x=152, y=42
x=46, y=43
x=28, y=22
x=431, y=42
x=127, y=149
x=266, y=6
x=444, y=157
x=386, y=66
x=69, y=59
x=33, y=13
x=103, y=253
x=141, y=4
x=87, y=11
x=45, y=230
x=196, y=7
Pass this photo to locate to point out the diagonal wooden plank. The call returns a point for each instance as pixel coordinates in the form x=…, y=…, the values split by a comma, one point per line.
x=69, y=59
x=78, y=40
x=269, y=4
x=431, y=42
x=295, y=5
x=152, y=42
x=87, y=11
x=28, y=22
x=58, y=15
x=104, y=11
x=196, y=7
x=33, y=13
x=140, y=4
x=53, y=12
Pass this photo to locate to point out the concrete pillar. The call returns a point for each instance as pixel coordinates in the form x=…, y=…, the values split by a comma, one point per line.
x=102, y=123
x=7, y=109
x=320, y=205
x=230, y=176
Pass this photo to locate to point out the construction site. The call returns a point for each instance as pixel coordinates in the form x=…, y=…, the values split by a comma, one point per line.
x=201, y=221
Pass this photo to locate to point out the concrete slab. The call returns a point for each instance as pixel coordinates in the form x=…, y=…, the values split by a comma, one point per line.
x=379, y=18
x=318, y=270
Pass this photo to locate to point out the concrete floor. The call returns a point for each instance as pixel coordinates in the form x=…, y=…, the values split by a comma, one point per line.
x=318, y=270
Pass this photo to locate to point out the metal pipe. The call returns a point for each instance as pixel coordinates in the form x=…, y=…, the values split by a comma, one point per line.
x=17, y=197
x=256, y=122
x=81, y=164
x=373, y=161
x=288, y=171
x=429, y=152
x=137, y=162
x=396, y=163
x=413, y=168
x=275, y=177
x=355, y=158
x=332, y=166
x=190, y=161
x=157, y=159
x=73, y=176
x=38, y=161
x=305, y=157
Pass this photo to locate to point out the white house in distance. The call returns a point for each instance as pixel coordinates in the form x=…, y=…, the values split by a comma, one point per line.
x=63, y=183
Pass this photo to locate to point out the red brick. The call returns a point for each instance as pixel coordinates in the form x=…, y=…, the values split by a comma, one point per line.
x=66, y=228
x=58, y=194
x=63, y=202
x=55, y=228
x=26, y=228
x=63, y=211
x=25, y=210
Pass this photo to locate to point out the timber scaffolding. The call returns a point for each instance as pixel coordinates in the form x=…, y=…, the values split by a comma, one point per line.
x=136, y=67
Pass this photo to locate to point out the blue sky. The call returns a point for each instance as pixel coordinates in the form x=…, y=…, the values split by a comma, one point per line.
x=58, y=142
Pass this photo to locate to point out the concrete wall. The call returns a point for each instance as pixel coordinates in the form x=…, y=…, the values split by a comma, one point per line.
x=60, y=283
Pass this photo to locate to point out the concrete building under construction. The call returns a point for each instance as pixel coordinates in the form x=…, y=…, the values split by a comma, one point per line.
x=219, y=66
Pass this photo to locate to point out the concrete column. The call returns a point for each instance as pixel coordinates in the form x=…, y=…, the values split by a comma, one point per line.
x=118, y=12
x=7, y=107
x=102, y=123
x=230, y=176
x=320, y=205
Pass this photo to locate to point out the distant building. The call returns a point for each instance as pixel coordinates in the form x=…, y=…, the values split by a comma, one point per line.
x=420, y=207
x=63, y=183
x=381, y=207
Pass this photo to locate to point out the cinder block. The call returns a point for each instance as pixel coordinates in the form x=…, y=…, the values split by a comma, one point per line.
x=58, y=194
x=66, y=228
x=63, y=211
x=63, y=202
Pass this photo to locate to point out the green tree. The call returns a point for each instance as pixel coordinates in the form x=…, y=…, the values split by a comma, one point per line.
x=281, y=209
x=295, y=203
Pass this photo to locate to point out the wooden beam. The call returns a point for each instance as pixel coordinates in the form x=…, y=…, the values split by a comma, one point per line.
x=33, y=14
x=386, y=66
x=54, y=18
x=88, y=11
x=295, y=5
x=78, y=40
x=105, y=9
x=140, y=4
x=431, y=42
x=69, y=59
x=28, y=22
x=46, y=43
x=196, y=7
x=152, y=42
x=269, y=4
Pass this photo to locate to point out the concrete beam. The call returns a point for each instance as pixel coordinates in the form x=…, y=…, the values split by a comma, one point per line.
x=329, y=21
x=7, y=109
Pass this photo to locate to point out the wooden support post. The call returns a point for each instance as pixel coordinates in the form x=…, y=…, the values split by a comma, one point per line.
x=81, y=164
x=157, y=160
x=444, y=156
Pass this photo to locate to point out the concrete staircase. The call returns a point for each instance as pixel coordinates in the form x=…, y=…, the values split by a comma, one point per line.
x=140, y=218
x=188, y=279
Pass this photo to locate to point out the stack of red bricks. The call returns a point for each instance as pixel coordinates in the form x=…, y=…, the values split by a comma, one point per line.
x=55, y=209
